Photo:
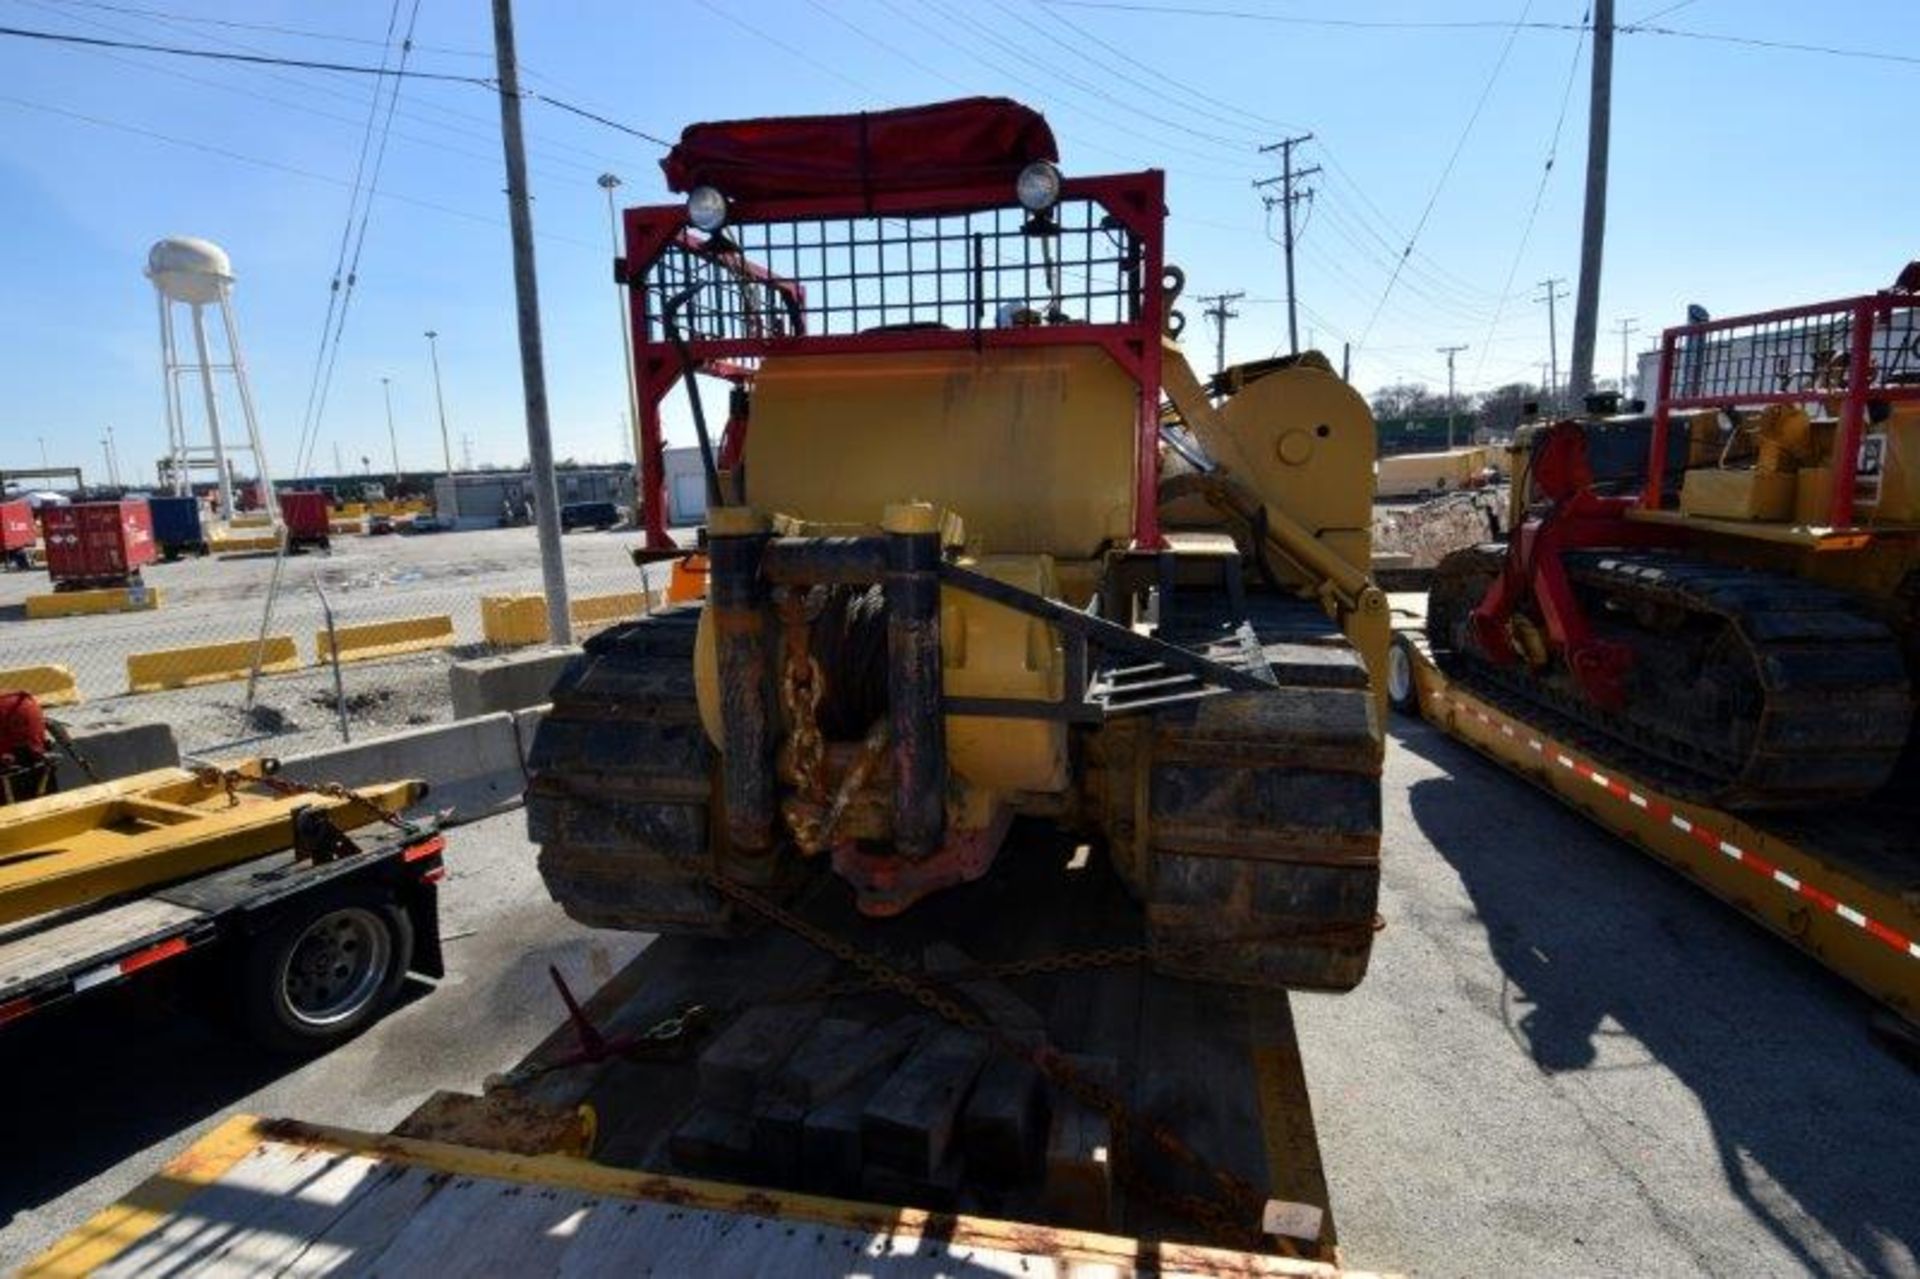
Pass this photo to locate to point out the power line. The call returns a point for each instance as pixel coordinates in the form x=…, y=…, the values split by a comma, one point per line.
x=221, y=55
x=311, y=64
x=1539, y=194
x=309, y=87
x=360, y=235
x=309, y=420
x=268, y=28
x=1486, y=91
x=1641, y=27
x=227, y=153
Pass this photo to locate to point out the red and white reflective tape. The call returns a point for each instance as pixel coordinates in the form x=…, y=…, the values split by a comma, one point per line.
x=143, y=958
x=1662, y=811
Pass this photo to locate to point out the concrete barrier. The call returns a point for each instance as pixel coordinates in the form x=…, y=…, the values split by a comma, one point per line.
x=510, y=621
x=242, y=543
x=507, y=682
x=526, y=723
x=513, y=621
x=385, y=639
x=112, y=745
x=50, y=685
x=473, y=766
x=111, y=599
x=208, y=663
x=603, y=610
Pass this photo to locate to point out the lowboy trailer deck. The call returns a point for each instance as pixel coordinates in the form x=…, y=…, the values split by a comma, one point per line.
x=1842, y=884
x=897, y=1105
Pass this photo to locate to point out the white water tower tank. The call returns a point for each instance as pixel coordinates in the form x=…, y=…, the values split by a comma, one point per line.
x=191, y=270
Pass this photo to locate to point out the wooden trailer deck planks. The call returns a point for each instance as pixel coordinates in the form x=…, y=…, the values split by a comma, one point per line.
x=265, y=1197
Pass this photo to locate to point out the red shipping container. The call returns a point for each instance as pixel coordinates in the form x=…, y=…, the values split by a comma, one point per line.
x=305, y=513
x=17, y=527
x=104, y=542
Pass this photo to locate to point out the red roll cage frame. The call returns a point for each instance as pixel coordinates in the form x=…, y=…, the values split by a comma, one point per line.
x=1135, y=200
x=1861, y=330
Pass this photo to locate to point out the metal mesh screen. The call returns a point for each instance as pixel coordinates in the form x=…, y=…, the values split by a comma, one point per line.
x=843, y=276
x=1798, y=353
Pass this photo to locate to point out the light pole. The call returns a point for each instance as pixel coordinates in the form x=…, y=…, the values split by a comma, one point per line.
x=440, y=399
x=44, y=464
x=386, y=386
x=608, y=181
x=113, y=459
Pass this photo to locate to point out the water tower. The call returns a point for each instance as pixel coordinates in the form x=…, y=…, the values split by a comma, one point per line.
x=197, y=274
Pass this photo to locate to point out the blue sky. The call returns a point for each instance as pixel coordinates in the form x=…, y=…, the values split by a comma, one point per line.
x=1743, y=177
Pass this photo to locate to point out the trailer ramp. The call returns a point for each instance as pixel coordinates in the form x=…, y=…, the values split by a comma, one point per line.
x=274, y=1197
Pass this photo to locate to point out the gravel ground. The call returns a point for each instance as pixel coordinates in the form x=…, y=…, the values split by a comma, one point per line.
x=1566, y=1060
x=363, y=578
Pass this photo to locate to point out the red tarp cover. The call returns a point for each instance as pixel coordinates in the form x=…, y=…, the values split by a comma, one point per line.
x=946, y=144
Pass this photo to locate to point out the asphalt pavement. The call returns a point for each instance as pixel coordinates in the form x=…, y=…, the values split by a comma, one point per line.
x=94, y=1101
x=1566, y=1060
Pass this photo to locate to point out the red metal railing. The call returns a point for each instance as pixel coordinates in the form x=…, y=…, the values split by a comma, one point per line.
x=900, y=271
x=1854, y=350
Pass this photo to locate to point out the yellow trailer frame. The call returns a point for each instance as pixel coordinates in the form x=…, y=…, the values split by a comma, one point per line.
x=121, y=836
x=1845, y=889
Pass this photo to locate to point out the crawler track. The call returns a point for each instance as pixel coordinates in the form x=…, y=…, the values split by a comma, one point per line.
x=1751, y=689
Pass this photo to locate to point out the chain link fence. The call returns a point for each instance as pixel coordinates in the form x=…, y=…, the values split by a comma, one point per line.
x=422, y=594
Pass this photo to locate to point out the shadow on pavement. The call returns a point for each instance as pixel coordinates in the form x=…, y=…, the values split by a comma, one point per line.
x=90, y=1083
x=1608, y=954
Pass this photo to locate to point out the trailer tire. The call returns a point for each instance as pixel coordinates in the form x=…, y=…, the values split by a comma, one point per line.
x=1403, y=694
x=323, y=974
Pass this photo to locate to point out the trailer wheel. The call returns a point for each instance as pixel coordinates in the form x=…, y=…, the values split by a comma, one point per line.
x=1402, y=693
x=322, y=975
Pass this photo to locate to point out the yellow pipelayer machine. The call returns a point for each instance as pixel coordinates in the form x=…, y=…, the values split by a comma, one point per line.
x=983, y=547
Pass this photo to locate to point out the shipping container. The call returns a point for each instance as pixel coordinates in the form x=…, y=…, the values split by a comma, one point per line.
x=176, y=526
x=18, y=530
x=305, y=513
x=98, y=544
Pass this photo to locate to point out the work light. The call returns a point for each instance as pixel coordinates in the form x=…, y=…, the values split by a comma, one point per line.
x=706, y=209
x=1038, y=187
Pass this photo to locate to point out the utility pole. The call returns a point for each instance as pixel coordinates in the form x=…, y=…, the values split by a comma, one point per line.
x=1287, y=198
x=466, y=452
x=113, y=458
x=630, y=419
x=440, y=399
x=338, y=468
x=533, y=372
x=1593, y=226
x=1450, y=352
x=1556, y=289
x=386, y=388
x=1627, y=328
x=1220, y=312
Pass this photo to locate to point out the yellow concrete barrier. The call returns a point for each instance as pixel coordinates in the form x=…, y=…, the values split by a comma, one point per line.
x=51, y=685
x=251, y=519
x=385, y=639
x=242, y=543
x=345, y=526
x=603, y=610
x=208, y=663
x=111, y=599
x=513, y=621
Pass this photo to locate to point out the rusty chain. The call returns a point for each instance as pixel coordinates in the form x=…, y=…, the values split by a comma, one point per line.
x=1235, y=1203
x=231, y=779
